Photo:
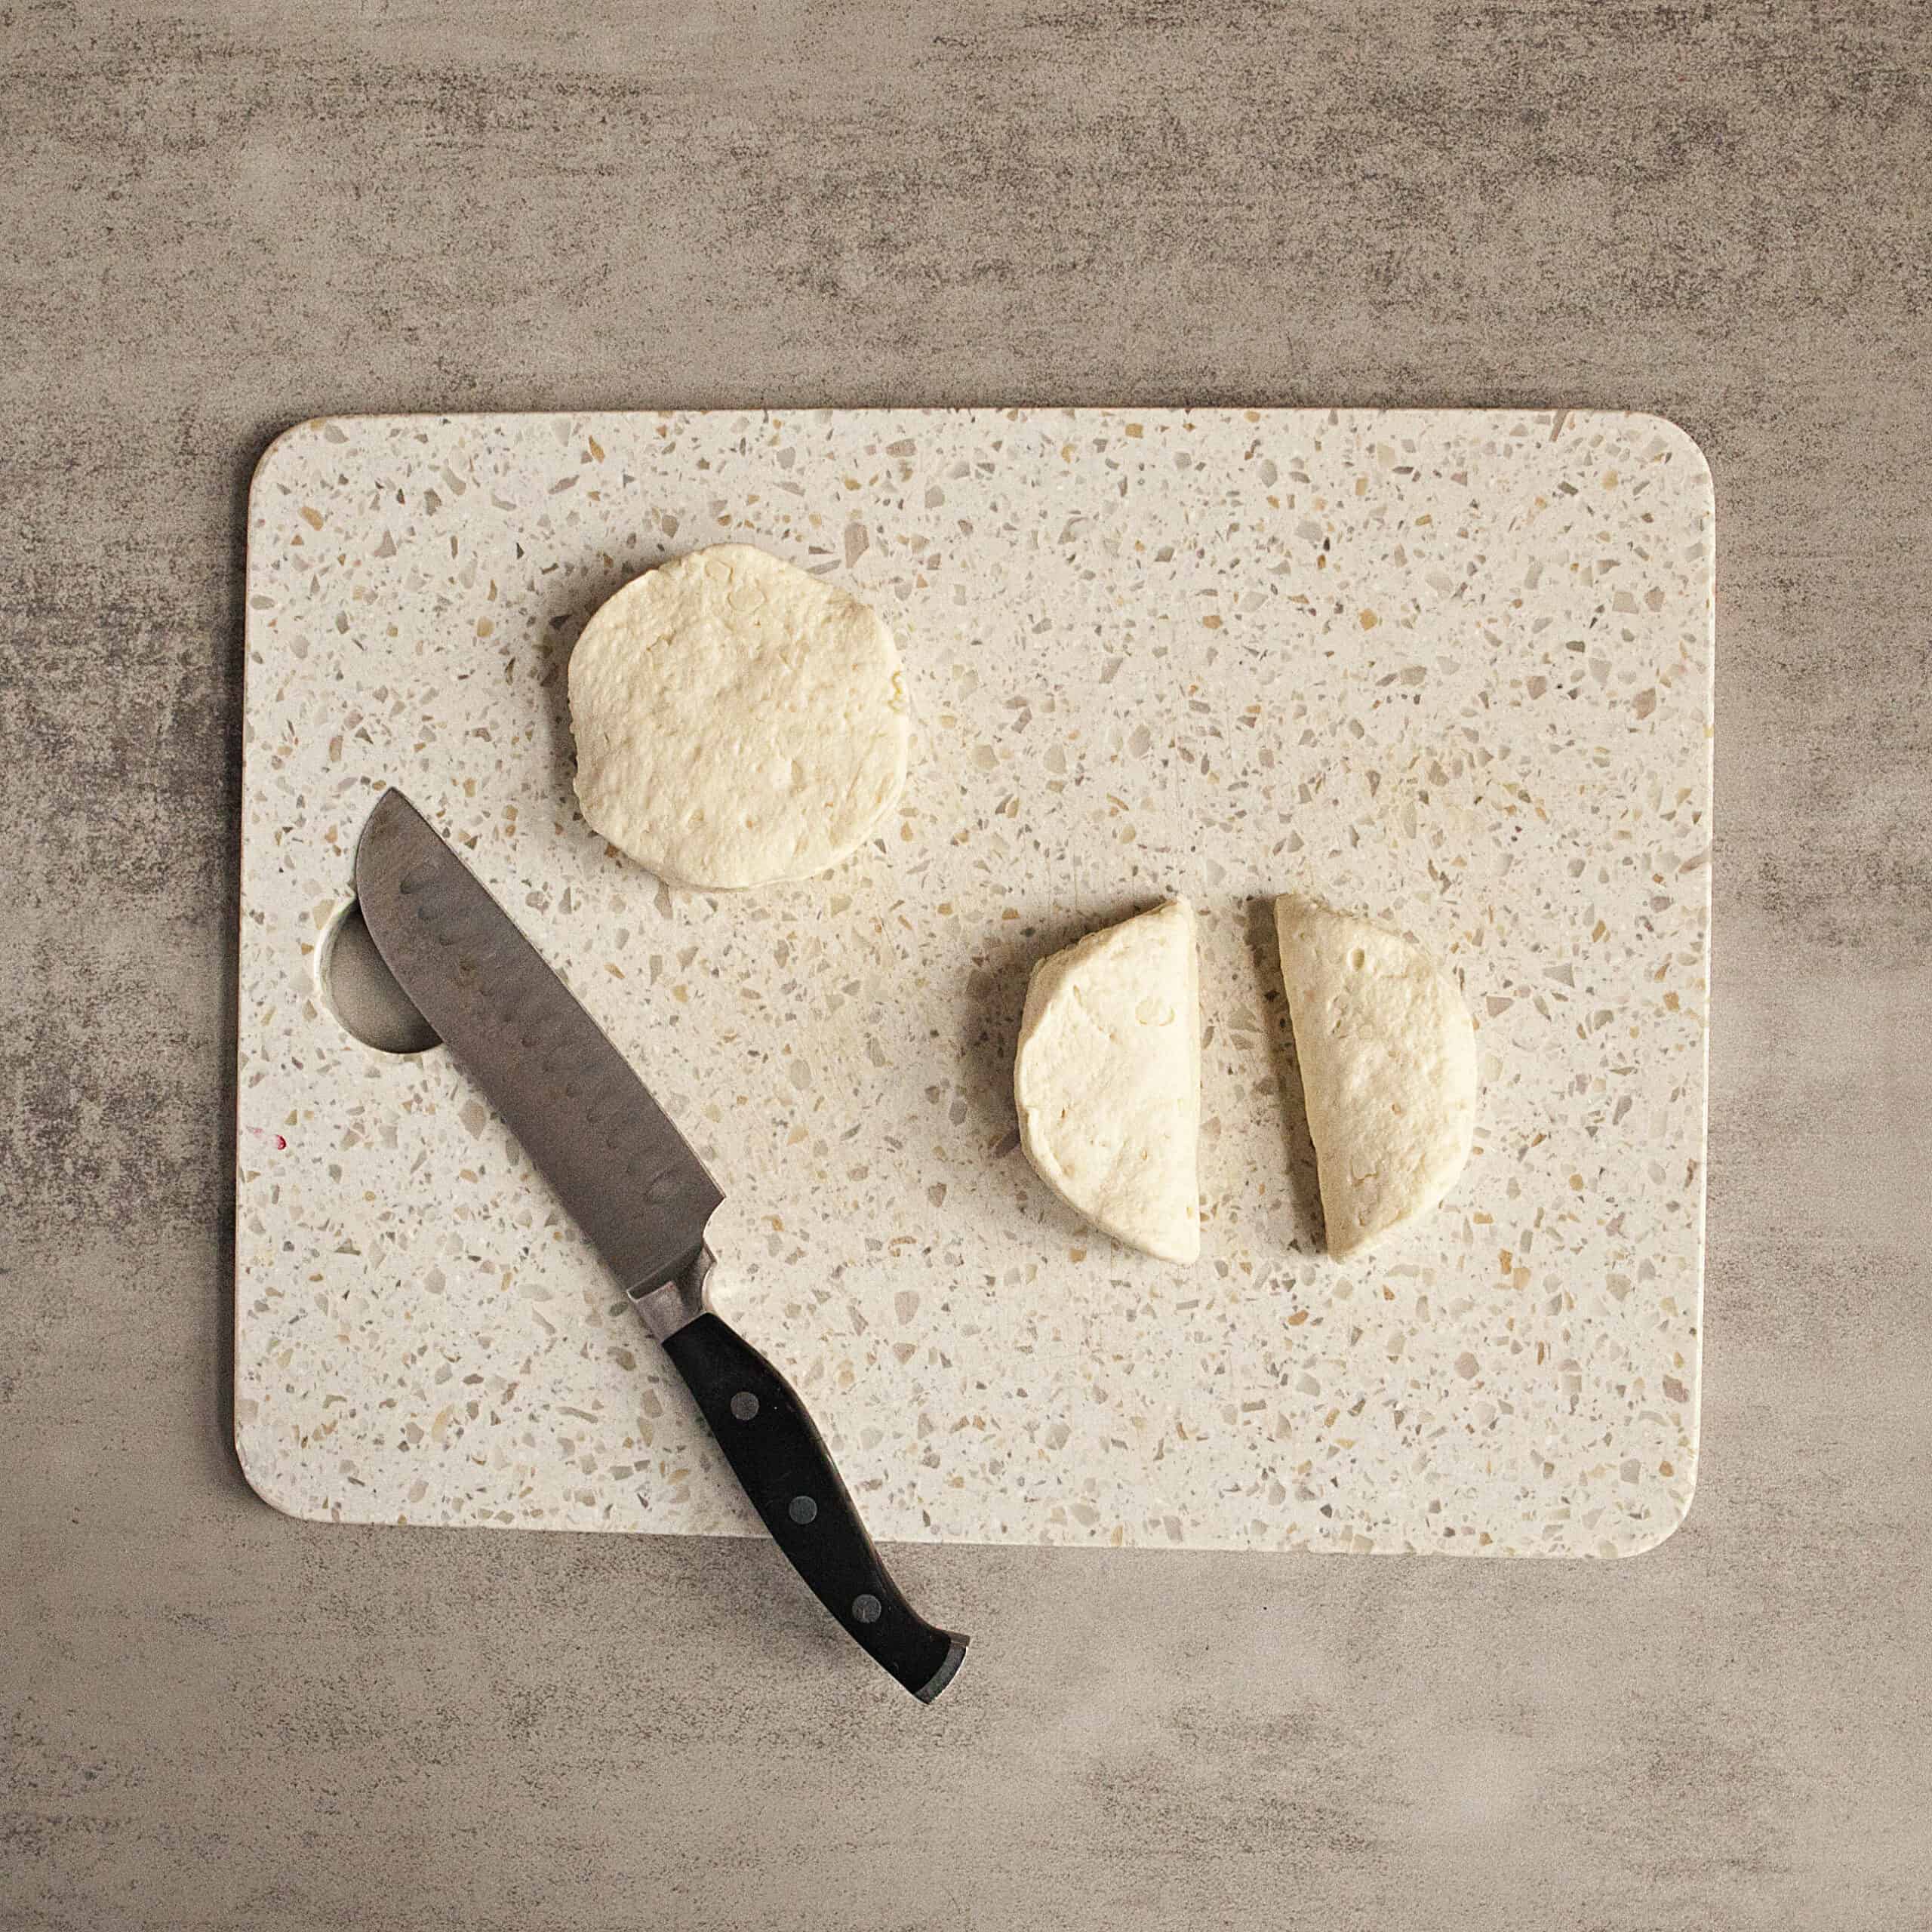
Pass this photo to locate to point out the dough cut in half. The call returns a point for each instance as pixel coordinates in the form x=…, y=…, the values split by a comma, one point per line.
x=1388, y=1069
x=1107, y=1080
x=737, y=721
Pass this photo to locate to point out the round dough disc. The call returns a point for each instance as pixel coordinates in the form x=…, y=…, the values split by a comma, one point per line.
x=737, y=721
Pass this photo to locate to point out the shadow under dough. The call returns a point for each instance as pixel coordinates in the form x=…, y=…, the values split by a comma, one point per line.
x=1299, y=1144
x=560, y=620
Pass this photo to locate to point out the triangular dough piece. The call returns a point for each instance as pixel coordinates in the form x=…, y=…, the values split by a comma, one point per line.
x=1108, y=1080
x=1388, y=1069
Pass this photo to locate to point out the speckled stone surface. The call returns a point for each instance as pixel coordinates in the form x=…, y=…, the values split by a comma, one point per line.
x=1450, y=668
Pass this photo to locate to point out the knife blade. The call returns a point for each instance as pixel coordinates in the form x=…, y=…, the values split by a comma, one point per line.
x=634, y=1185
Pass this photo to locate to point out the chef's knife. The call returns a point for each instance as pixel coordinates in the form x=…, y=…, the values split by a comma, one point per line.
x=642, y=1196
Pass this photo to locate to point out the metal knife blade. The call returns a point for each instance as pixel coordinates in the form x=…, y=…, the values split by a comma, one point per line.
x=628, y=1177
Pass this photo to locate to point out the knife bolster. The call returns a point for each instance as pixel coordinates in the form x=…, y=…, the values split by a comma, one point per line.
x=676, y=1303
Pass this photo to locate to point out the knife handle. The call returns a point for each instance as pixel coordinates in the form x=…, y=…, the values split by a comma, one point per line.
x=787, y=1472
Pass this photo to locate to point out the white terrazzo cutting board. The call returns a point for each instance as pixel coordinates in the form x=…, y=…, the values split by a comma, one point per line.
x=1452, y=668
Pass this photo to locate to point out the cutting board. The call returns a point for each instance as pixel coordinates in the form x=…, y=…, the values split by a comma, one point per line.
x=1450, y=668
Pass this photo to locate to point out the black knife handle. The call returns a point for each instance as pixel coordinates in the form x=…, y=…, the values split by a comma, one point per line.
x=787, y=1472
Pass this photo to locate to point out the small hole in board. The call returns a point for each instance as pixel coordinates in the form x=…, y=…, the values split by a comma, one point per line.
x=362, y=993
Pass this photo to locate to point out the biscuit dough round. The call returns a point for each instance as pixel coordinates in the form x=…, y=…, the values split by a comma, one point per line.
x=1388, y=1069
x=737, y=721
x=1107, y=1080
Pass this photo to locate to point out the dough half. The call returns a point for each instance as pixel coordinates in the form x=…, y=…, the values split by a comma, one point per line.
x=1388, y=1069
x=1107, y=1080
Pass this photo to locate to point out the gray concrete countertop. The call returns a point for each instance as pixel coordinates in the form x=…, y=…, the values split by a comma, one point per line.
x=221, y=218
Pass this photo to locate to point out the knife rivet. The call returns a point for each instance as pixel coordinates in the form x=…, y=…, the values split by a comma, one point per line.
x=866, y=1609
x=744, y=1405
x=803, y=1510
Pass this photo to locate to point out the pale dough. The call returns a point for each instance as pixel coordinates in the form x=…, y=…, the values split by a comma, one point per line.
x=737, y=721
x=1388, y=1069
x=1107, y=1080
